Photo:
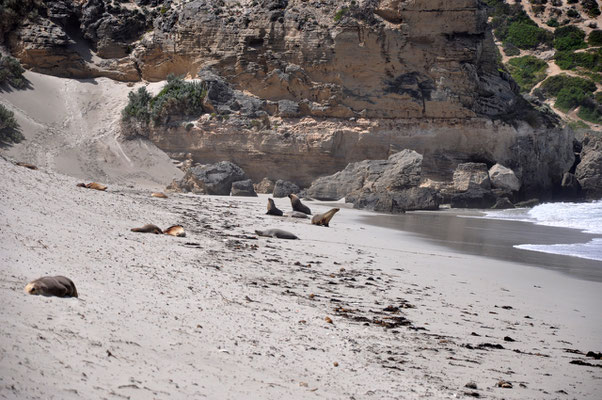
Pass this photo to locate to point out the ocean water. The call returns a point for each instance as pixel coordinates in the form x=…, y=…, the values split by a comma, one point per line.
x=585, y=217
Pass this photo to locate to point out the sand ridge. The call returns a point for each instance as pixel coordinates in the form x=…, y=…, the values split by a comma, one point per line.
x=221, y=314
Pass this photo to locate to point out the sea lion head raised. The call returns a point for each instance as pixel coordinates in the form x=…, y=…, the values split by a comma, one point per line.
x=175, y=230
x=59, y=286
x=272, y=209
x=297, y=205
x=324, y=219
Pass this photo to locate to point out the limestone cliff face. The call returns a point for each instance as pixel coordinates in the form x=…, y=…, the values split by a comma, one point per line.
x=344, y=81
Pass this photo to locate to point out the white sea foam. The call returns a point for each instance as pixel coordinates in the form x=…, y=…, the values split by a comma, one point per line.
x=586, y=217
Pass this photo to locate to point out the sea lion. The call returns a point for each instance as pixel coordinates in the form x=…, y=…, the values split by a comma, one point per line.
x=148, y=228
x=93, y=185
x=272, y=209
x=59, y=286
x=296, y=214
x=159, y=195
x=324, y=219
x=297, y=205
x=26, y=165
x=276, y=233
x=175, y=230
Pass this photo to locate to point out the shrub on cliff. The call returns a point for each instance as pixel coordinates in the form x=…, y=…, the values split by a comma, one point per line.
x=554, y=84
x=9, y=128
x=13, y=12
x=527, y=71
x=11, y=72
x=595, y=38
x=177, y=98
x=569, y=37
x=590, y=60
x=590, y=111
x=512, y=25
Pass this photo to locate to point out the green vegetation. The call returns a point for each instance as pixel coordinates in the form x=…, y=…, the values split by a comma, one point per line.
x=554, y=84
x=591, y=7
x=576, y=125
x=569, y=98
x=553, y=22
x=572, y=92
x=513, y=26
x=527, y=71
x=591, y=112
x=340, y=14
x=569, y=37
x=14, y=11
x=11, y=72
x=590, y=60
x=178, y=98
x=9, y=128
x=595, y=38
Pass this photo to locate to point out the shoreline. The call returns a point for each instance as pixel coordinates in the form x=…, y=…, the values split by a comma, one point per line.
x=222, y=314
x=467, y=232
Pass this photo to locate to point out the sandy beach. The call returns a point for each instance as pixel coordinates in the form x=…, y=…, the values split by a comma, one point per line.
x=224, y=314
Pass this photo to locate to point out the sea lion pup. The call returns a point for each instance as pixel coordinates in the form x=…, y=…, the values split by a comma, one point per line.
x=26, y=165
x=272, y=209
x=324, y=219
x=93, y=185
x=175, y=230
x=297, y=205
x=59, y=286
x=276, y=233
x=159, y=195
x=148, y=228
x=296, y=214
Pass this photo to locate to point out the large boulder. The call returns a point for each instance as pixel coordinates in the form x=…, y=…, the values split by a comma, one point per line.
x=471, y=177
x=284, y=188
x=589, y=170
x=401, y=170
x=265, y=186
x=243, y=188
x=503, y=178
x=400, y=201
x=214, y=179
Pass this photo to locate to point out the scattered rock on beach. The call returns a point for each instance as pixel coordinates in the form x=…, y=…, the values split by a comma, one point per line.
x=503, y=178
x=266, y=186
x=243, y=188
x=214, y=179
x=284, y=188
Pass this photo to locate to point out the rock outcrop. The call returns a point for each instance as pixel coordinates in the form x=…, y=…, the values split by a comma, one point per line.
x=216, y=179
x=503, y=178
x=284, y=188
x=589, y=170
x=472, y=187
x=243, y=188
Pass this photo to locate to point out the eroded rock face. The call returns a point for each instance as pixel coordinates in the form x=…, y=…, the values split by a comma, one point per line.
x=213, y=179
x=589, y=170
x=472, y=186
x=266, y=186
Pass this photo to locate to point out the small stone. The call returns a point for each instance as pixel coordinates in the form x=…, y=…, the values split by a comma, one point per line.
x=336, y=364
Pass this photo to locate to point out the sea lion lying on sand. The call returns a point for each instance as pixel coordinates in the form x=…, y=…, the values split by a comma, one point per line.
x=26, y=165
x=159, y=195
x=276, y=233
x=93, y=185
x=324, y=219
x=297, y=205
x=174, y=230
x=272, y=209
x=296, y=214
x=59, y=286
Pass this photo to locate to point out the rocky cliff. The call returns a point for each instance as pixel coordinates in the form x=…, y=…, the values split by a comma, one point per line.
x=332, y=81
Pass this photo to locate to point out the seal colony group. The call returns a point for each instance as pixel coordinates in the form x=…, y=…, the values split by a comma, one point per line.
x=174, y=230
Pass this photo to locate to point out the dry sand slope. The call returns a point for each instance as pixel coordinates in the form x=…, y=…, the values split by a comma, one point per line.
x=218, y=315
x=72, y=126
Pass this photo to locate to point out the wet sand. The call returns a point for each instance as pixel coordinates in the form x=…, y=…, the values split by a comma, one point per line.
x=466, y=232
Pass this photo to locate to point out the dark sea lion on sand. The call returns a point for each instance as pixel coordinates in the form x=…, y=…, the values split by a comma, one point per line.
x=26, y=165
x=297, y=205
x=175, y=230
x=148, y=228
x=59, y=286
x=276, y=233
x=272, y=209
x=93, y=185
x=324, y=219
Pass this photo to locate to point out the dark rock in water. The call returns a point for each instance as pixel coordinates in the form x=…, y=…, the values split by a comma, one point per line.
x=243, y=188
x=527, y=203
x=503, y=204
x=570, y=186
x=400, y=171
x=214, y=179
x=415, y=198
x=475, y=199
x=284, y=188
x=589, y=170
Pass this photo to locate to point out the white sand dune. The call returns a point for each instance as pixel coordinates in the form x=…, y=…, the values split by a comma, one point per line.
x=72, y=127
